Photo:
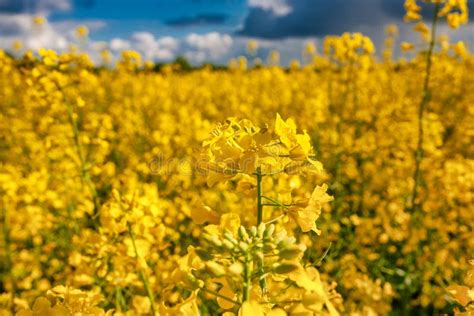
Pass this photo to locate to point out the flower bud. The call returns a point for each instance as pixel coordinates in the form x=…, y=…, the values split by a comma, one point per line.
x=204, y=255
x=253, y=231
x=290, y=253
x=269, y=230
x=193, y=282
x=312, y=299
x=216, y=242
x=244, y=246
x=228, y=235
x=243, y=233
x=215, y=269
x=261, y=230
x=207, y=237
x=268, y=247
x=284, y=244
x=227, y=244
x=236, y=268
x=285, y=268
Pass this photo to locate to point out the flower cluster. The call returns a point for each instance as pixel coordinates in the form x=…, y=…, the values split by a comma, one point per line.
x=464, y=294
x=455, y=11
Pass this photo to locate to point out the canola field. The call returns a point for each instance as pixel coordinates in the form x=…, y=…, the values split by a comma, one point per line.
x=341, y=185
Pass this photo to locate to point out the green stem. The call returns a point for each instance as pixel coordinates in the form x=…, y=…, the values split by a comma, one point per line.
x=323, y=256
x=142, y=274
x=247, y=278
x=259, y=196
x=84, y=172
x=119, y=300
x=419, y=153
x=263, y=281
x=9, y=256
x=275, y=202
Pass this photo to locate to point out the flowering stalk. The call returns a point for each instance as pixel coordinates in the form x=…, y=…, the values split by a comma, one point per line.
x=143, y=277
x=419, y=153
x=84, y=172
x=247, y=278
x=259, y=196
x=263, y=281
x=85, y=176
x=8, y=252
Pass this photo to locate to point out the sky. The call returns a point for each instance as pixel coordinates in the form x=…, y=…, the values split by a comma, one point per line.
x=202, y=30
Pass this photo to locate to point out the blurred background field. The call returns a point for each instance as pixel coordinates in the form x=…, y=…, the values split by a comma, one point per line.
x=100, y=192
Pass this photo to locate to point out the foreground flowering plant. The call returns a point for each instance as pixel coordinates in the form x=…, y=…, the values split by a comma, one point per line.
x=64, y=301
x=259, y=269
x=463, y=295
x=240, y=148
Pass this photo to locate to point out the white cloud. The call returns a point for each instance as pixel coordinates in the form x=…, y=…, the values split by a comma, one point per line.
x=13, y=24
x=118, y=44
x=196, y=47
x=143, y=37
x=289, y=48
x=21, y=27
x=277, y=7
x=212, y=45
x=17, y=24
x=68, y=27
x=168, y=42
x=153, y=48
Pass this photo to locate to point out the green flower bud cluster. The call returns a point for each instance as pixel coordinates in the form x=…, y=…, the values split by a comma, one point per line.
x=232, y=254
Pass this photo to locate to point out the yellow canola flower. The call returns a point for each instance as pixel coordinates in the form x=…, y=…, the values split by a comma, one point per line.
x=406, y=46
x=39, y=20
x=187, y=307
x=17, y=45
x=241, y=147
x=82, y=31
x=306, y=213
x=413, y=10
x=252, y=46
x=66, y=301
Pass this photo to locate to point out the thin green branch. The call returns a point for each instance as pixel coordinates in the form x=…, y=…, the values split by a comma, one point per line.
x=323, y=256
x=276, y=219
x=259, y=196
x=141, y=273
x=247, y=278
x=263, y=281
x=84, y=170
x=8, y=254
x=419, y=153
x=219, y=295
x=275, y=202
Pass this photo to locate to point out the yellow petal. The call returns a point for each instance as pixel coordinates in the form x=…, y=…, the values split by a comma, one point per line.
x=277, y=312
x=141, y=304
x=227, y=292
x=202, y=214
x=251, y=308
x=460, y=294
x=231, y=221
x=285, y=130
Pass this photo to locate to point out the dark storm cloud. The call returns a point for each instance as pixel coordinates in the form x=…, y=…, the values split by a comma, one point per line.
x=202, y=19
x=32, y=6
x=323, y=17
